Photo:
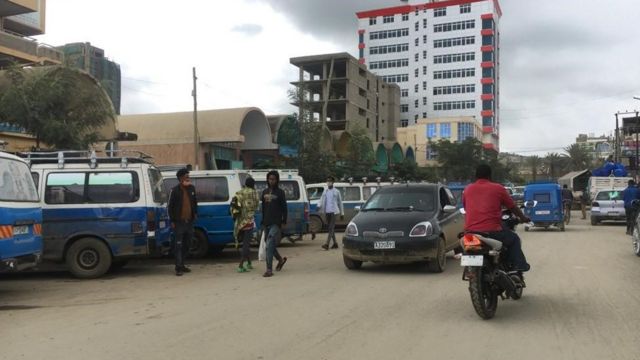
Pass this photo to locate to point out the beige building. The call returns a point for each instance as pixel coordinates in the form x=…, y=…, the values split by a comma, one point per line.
x=344, y=95
x=428, y=131
x=20, y=19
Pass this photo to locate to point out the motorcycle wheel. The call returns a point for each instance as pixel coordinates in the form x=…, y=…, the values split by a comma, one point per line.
x=484, y=299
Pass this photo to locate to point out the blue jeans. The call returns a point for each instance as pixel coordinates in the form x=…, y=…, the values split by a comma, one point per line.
x=515, y=256
x=273, y=236
x=183, y=234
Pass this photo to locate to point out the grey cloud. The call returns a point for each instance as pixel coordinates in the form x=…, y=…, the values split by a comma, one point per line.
x=248, y=29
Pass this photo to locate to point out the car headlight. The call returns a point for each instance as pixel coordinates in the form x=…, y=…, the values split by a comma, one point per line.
x=352, y=230
x=422, y=229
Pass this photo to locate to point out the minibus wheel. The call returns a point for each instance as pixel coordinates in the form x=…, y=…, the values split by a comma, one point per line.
x=88, y=258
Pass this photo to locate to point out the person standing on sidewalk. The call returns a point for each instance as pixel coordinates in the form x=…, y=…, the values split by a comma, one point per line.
x=244, y=205
x=274, y=217
x=183, y=211
x=584, y=200
x=331, y=205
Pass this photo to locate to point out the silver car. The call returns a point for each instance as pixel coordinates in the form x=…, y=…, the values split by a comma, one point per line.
x=607, y=205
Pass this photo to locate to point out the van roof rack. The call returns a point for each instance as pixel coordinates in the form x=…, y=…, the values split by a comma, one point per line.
x=124, y=157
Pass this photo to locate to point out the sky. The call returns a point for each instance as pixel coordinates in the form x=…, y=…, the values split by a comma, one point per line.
x=566, y=66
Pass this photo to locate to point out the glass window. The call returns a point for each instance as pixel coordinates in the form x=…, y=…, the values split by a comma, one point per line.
x=445, y=130
x=291, y=188
x=542, y=197
x=212, y=189
x=372, y=21
x=36, y=179
x=157, y=187
x=440, y=12
x=417, y=199
x=169, y=184
x=65, y=188
x=315, y=193
x=609, y=195
x=112, y=187
x=16, y=183
x=431, y=130
x=367, y=191
x=405, y=17
x=465, y=8
x=350, y=193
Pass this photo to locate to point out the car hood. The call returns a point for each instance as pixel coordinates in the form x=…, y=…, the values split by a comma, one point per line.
x=391, y=220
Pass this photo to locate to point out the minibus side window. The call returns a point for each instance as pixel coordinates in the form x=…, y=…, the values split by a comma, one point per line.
x=113, y=187
x=65, y=188
x=211, y=189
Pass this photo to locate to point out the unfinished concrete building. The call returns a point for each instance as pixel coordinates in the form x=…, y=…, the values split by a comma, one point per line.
x=344, y=95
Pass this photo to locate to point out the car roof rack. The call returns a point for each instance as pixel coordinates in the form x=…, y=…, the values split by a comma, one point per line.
x=123, y=157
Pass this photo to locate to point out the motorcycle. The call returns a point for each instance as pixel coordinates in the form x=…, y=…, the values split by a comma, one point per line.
x=487, y=271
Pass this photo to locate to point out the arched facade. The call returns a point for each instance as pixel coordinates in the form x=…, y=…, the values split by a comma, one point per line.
x=396, y=155
x=382, y=159
x=410, y=154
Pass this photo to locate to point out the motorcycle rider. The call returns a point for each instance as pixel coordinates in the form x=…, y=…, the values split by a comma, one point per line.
x=483, y=201
x=567, y=197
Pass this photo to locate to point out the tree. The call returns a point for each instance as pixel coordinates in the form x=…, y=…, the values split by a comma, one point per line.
x=53, y=105
x=316, y=164
x=458, y=161
x=579, y=157
x=361, y=158
x=555, y=163
x=534, y=162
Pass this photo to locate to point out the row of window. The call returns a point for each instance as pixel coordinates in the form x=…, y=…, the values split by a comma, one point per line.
x=453, y=26
x=465, y=130
x=389, y=64
x=451, y=58
x=387, y=49
x=460, y=41
x=388, y=34
x=455, y=89
x=454, y=105
x=396, y=78
x=439, y=12
x=453, y=74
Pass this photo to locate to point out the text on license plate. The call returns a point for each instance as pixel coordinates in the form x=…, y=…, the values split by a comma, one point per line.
x=543, y=212
x=613, y=213
x=162, y=224
x=384, y=245
x=20, y=230
x=472, y=260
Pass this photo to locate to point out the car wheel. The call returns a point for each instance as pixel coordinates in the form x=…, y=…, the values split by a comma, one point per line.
x=199, y=246
x=88, y=258
x=315, y=224
x=351, y=264
x=438, y=264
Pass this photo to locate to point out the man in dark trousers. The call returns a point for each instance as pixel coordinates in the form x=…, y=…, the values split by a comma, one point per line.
x=183, y=211
x=630, y=193
x=274, y=217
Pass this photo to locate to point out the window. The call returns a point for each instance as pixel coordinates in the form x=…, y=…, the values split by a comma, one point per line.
x=416, y=57
x=415, y=119
x=424, y=85
x=157, y=187
x=465, y=8
x=424, y=115
x=452, y=58
x=386, y=49
x=454, y=105
x=455, y=89
x=487, y=121
x=424, y=100
x=315, y=193
x=465, y=131
x=432, y=131
x=404, y=123
x=65, y=188
x=367, y=191
x=454, y=26
x=351, y=193
x=373, y=21
x=415, y=88
x=388, y=19
x=431, y=153
x=451, y=42
x=212, y=189
x=17, y=183
x=388, y=34
x=424, y=39
x=405, y=17
x=291, y=188
x=487, y=56
x=445, y=130
x=424, y=23
x=424, y=70
x=389, y=64
x=416, y=72
x=487, y=24
x=440, y=12
x=542, y=197
x=453, y=74
x=417, y=26
x=487, y=40
x=416, y=41
x=396, y=78
x=404, y=92
x=100, y=188
x=416, y=104
x=404, y=108
x=424, y=54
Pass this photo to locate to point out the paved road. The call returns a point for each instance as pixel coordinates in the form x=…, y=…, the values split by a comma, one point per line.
x=583, y=302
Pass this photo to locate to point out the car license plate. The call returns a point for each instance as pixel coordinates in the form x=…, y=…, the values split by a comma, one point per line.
x=384, y=245
x=162, y=224
x=20, y=230
x=613, y=213
x=472, y=260
x=543, y=212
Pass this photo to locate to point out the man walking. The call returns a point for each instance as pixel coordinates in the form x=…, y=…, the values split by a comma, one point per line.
x=274, y=217
x=243, y=209
x=183, y=211
x=331, y=205
x=630, y=193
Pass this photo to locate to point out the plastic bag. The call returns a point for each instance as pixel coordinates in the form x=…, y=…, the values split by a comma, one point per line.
x=262, y=249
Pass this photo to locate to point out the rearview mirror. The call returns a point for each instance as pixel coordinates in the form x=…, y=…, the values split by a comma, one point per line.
x=358, y=208
x=530, y=204
x=449, y=209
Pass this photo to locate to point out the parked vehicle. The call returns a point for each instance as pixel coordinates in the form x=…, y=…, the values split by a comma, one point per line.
x=214, y=190
x=518, y=195
x=297, y=202
x=486, y=271
x=600, y=183
x=20, y=216
x=457, y=191
x=353, y=195
x=543, y=205
x=608, y=205
x=99, y=212
x=404, y=223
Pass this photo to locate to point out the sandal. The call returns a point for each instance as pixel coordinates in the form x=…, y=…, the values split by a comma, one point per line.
x=281, y=263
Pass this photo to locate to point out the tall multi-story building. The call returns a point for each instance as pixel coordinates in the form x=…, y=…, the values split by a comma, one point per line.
x=20, y=19
x=92, y=60
x=444, y=55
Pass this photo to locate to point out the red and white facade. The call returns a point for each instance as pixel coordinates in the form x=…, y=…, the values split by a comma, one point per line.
x=444, y=55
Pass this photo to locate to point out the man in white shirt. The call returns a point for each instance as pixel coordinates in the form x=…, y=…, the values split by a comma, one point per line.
x=331, y=205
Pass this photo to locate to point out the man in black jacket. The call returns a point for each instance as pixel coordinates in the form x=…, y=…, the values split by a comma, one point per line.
x=183, y=211
x=274, y=217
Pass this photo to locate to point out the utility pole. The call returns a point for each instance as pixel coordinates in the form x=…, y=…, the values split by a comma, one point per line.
x=616, y=147
x=196, y=141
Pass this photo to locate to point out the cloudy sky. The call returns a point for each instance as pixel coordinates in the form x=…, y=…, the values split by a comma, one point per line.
x=567, y=66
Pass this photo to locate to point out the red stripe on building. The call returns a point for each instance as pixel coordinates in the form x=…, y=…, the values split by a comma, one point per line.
x=361, y=31
x=361, y=61
x=486, y=81
x=489, y=147
x=486, y=113
x=486, y=48
x=484, y=64
x=410, y=8
x=361, y=46
x=486, y=16
x=486, y=32
x=486, y=97
x=487, y=129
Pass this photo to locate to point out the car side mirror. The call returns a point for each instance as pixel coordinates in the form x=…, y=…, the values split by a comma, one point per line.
x=358, y=208
x=449, y=209
x=530, y=204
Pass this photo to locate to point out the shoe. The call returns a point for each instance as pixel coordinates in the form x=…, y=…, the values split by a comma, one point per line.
x=281, y=263
x=267, y=273
x=186, y=269
x=325, y=246
x=335, y=246
x=249, y=266
x=457, y=256
x=179, y=272
x=241, y=269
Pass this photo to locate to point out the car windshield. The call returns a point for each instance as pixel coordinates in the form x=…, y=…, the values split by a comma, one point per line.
x=417, y=199
x=609, y=195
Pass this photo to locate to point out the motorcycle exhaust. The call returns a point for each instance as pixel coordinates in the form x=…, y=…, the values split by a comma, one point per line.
x=505, y=282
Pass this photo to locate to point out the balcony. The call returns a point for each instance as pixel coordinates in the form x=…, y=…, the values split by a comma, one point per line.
x=19, y=49
x=17, y=7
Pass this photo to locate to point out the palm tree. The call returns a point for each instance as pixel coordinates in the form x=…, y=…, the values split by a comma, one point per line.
x=555, y=162
x=534, y=163
x=579, y=157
